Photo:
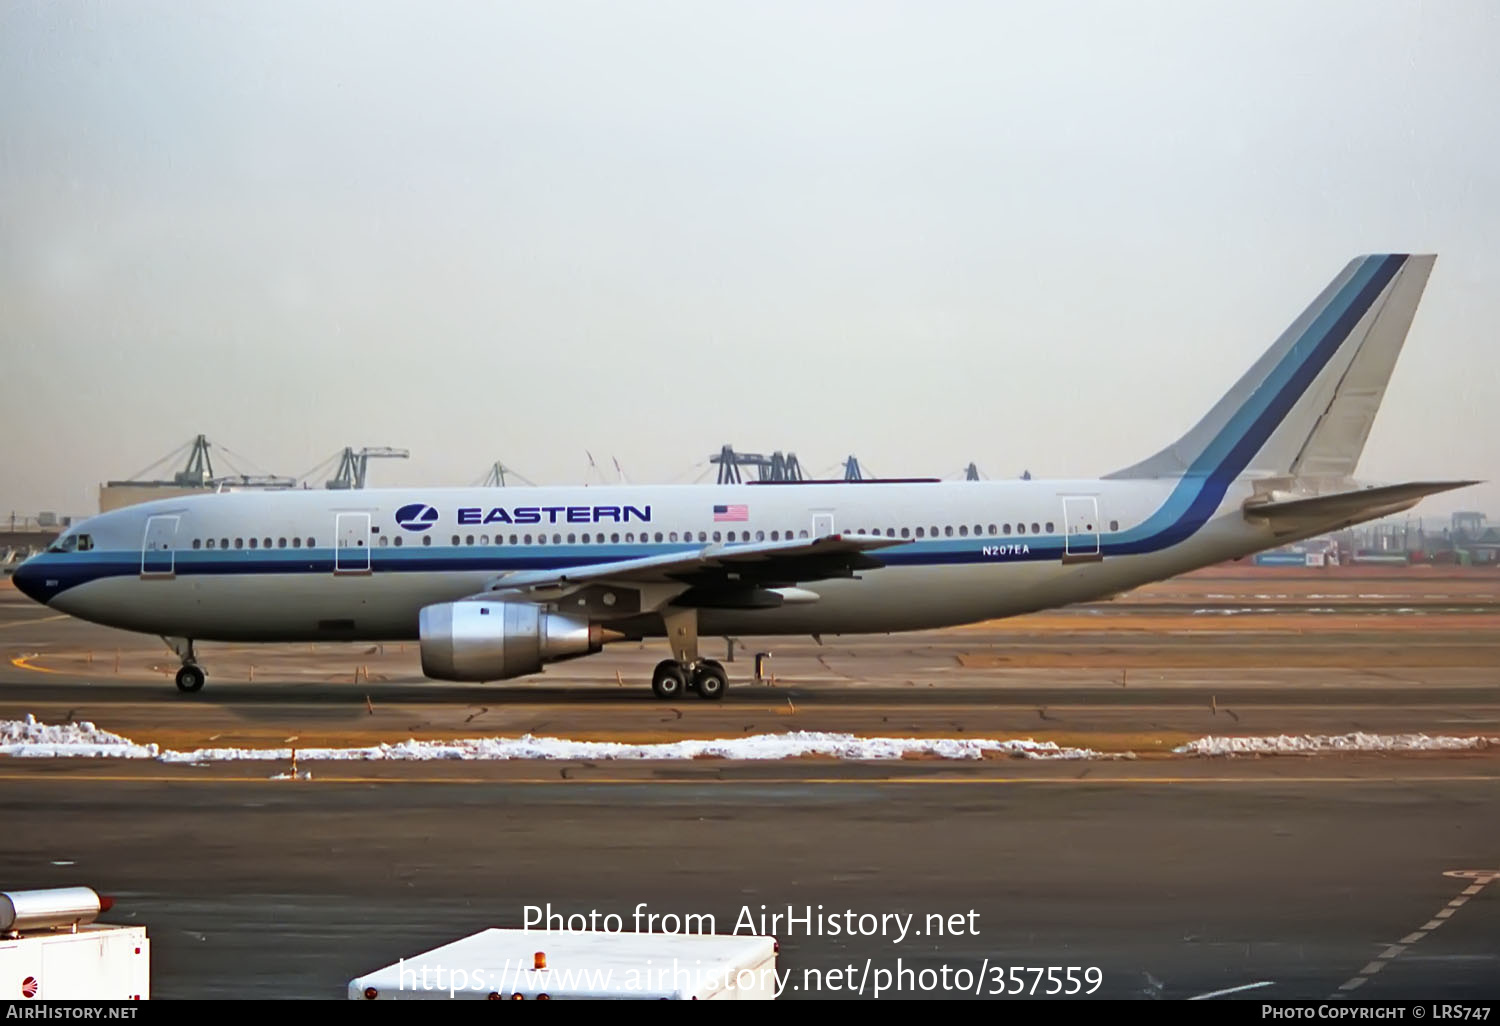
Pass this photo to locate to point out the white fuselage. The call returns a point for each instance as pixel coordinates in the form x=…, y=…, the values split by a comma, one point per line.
x=311, y=565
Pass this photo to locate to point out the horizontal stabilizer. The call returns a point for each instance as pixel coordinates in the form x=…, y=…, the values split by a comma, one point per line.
x=1317, y=513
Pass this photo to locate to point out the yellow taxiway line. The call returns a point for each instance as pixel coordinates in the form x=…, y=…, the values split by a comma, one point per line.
x=23, y=663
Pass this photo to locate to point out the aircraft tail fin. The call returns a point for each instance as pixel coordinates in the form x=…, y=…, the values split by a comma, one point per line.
x=1305, y=408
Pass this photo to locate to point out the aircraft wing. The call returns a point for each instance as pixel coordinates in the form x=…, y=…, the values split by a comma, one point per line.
x=1328, y=512
x=715, y=574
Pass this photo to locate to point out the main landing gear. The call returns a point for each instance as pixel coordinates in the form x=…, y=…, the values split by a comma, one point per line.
x=190, y=678
x=671, y=679
x=685, y=671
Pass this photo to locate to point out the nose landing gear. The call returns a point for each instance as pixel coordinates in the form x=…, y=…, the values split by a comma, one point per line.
x=191, y=678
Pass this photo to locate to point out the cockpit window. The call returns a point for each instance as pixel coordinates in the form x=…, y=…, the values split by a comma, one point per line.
x=72, y=543
x=85, y=542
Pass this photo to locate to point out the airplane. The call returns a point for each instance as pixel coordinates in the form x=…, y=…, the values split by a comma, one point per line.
x=494, y=584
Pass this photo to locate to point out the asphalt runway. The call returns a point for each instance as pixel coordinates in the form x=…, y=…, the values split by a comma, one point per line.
x=1287, y=876
x=1171, y=888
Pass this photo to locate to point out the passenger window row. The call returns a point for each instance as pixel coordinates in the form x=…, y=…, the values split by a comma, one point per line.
x=978, y=530
x=646, y=537
x=253, y=543
x=616, y=538
x=961, y=531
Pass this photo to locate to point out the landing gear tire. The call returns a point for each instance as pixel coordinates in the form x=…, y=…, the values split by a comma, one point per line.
x=711, y=680
x=191, y=679
x=668, y=681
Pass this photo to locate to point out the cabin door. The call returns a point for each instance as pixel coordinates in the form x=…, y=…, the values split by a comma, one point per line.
x=351, y=554
x=159, y=547
x=1081, y=528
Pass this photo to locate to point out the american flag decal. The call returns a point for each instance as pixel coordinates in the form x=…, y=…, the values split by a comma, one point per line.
x=731, y=514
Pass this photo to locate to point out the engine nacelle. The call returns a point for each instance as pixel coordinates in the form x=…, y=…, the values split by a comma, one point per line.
x=477, y=641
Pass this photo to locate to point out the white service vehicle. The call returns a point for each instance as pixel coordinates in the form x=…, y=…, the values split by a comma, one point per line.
x=514, y=965
x=52, y=950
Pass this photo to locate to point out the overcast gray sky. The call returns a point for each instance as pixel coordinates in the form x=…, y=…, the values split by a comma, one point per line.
x=1039, y=236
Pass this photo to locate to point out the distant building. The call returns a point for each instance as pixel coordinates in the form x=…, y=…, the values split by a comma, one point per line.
x=1467, y=525
x=1484, y=547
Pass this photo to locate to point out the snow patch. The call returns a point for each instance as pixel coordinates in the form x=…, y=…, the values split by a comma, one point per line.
x=29, y=739
x=1318, y=744
x=757, y=747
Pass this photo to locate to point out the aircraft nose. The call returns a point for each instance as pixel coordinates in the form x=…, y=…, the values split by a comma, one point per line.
x=31, y=580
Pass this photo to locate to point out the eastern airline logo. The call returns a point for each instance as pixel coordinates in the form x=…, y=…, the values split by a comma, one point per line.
x=416, y=517
x=552, y=514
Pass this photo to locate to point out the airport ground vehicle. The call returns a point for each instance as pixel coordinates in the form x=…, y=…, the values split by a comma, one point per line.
x=51, y=949
x=515, y=965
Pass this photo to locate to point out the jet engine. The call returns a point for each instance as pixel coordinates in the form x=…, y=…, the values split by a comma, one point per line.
x=478, y=641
